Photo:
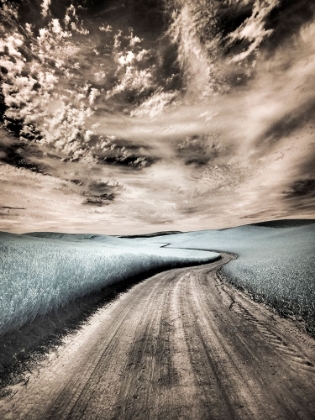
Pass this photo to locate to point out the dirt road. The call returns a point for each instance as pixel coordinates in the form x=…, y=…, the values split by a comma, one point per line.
x=180, y=345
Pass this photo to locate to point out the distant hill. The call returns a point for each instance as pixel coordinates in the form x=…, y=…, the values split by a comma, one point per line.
x=151, y=235
x=285, y=223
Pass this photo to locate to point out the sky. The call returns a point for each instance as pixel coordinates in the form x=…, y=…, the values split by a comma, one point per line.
x=135, y=116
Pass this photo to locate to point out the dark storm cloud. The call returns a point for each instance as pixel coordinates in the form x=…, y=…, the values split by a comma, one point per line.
x=130, y=161
x=99, y=193
x=125, y=153
x=18, y=155
x=99, y=200
x=303, y=189
x=102, y=188
x=300, y=196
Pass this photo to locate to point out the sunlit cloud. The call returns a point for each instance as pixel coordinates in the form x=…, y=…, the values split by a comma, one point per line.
x=45, y=7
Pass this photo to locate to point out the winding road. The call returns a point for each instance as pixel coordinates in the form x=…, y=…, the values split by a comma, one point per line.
x=181, y=345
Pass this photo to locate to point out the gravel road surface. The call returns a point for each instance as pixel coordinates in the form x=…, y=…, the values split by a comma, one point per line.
x=180, y=345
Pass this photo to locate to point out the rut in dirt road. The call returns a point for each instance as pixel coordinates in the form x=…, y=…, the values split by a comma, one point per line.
x=180, y=345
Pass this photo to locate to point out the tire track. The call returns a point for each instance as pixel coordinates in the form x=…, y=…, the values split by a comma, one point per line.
x=89, y=396
x=228, y=373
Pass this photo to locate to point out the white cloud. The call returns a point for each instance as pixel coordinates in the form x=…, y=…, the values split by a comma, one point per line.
x=99, y=76
x=87, y=135
x=45, y=7
x=134, y=40
x=73, y=23
x=57, y=29
x=124, y=60
x=93, y=95
x=79, y=29
x=106, y=28
x=12, y=43
x=133, y=79
x=133, y=69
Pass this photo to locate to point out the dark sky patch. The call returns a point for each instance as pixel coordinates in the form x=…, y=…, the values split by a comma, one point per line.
x=169, y=70
x=146, y=15
x=233, y=16
x=30, y=10
x=3, y=106
x=286, y=19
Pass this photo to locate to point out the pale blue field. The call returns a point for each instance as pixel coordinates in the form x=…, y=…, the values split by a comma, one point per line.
x=40, y=274
x=275, y=264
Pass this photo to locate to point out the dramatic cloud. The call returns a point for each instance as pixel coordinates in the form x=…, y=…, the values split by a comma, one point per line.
x=155, y=115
